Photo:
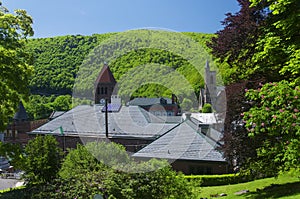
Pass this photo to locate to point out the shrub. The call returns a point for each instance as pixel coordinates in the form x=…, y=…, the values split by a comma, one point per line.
x=206, y=108
x=216, y=180
x=42, y=159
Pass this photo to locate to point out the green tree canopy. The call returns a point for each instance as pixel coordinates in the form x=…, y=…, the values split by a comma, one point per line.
x=89, y=170
x=207, y=108
x=278, y=47
x=15, y=62
x=42, y=161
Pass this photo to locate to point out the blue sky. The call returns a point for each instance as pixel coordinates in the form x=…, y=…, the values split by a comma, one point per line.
x=71, y=17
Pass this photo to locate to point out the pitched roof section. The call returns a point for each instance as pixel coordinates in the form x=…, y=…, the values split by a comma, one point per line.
x=85, y=120
x=105, y=75
x=183, y=143
x=142, y=101
x=21, y=115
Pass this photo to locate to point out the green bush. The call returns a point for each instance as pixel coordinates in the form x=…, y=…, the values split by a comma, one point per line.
x=216, y=180
x=207, y=108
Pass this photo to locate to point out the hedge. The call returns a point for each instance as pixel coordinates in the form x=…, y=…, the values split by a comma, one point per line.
x=216, y=180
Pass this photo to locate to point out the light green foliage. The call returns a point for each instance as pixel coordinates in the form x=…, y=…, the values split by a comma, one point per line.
x=89, y=170
x=15, y=62
x=42, y=161
x=129, y=51
x=217, y=180
x=40, y=107
x=94, y=156
x=280, y=43
x=282, y=187
x=275, y=121
x=206, y=108
x=62, y=103
x=161, y=182
x=58, y=59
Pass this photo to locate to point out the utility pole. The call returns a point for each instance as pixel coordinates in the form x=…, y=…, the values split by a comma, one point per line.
x=106, y=118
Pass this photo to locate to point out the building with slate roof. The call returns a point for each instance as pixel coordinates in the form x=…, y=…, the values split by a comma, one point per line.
x=16, y=131
x=158, y=106
x=188, y=148
x=131, y=126
x=148, y=127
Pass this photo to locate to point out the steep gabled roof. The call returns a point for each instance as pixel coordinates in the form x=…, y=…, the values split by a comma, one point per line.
x=21, y=114
x=182, y=143
x=105, y=75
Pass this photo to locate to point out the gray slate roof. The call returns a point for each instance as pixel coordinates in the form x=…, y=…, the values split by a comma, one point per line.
x=183, y=143
x=56, y=114
x=85, y=120
x=148, y=101
x=21, y=114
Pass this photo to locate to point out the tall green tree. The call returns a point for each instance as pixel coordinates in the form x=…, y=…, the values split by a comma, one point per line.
x=15, y=62
x=278, y=47
x=43, y=158
x=273, y=56
x=274, y=117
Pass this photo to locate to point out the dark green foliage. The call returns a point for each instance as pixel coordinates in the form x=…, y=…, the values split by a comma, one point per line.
x=14, y=153
x=217, y=180
x=57, y=59
x=42, y=161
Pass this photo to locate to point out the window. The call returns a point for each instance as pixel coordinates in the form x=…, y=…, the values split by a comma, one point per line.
x=105, y=91
x=16, y=134
x=102, y=90
x=9, y=133
x=211, y=80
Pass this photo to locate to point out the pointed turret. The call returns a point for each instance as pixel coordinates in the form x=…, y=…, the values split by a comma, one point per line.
x=21, y=115
x=207, y=65
x=104, y=85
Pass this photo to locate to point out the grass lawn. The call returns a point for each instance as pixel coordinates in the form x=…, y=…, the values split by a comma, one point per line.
x=284, y=187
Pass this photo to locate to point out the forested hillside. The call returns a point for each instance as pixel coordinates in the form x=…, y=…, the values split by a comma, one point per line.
x=57, y=59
